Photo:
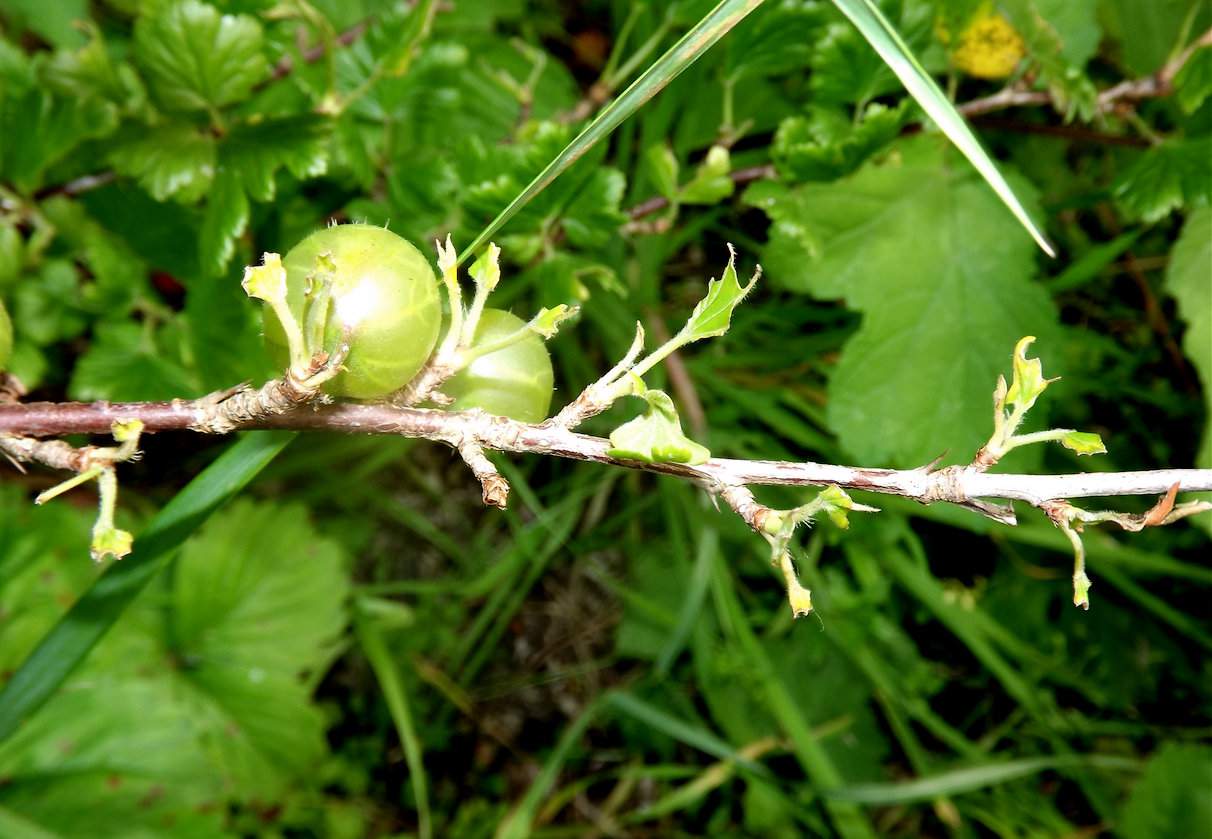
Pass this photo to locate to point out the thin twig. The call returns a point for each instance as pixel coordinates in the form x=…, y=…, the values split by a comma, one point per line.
x=957, y=484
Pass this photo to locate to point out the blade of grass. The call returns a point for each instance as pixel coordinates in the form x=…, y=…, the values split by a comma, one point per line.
x=517, y=825
x=692, y=605
x=692, y=735
x=849, y=820
x=701, y=37
x=396, y=697
x=15, y=826
x=885, y=40
x=970, y=778
x=69, y=641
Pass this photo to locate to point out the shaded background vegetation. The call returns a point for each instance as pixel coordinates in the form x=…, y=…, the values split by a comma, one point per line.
x=357, y=648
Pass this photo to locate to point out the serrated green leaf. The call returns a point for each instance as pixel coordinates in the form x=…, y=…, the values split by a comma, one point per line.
x=1147, y=34
x=1028, y=380
x=125, y=361
x=547, y=322
x=61, y=650
x=40, y=129
x=258, y=150
x=891, y=46
x=846, y=70
x=713, y=314
x=920, y=247
x=197, y=59
x=1084, y=442
x=828, y=143
x=175, y=160
x=91, y=72
x=656, y=435
x=1061, y=36
x=593, y=217
x=1193, y=84
x=46, y=307
x=777, y=39
x=1175, y=174
x=225, y=219
x=257, y=601
x=249, y=159
x=1174, y=795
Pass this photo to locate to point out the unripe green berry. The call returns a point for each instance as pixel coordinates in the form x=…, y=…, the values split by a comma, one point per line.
x=514, y=382
x=384, y=293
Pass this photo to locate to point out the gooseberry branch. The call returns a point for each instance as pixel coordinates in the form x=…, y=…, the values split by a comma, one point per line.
x=955, y=485
x=321, y=350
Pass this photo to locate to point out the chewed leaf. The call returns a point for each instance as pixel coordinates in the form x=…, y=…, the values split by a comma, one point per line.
x=1084, y=442
x=712, y=317
x=486, y=270
x=266, y=281
x=656, y=435
x=1029, y=381
x=547, y=322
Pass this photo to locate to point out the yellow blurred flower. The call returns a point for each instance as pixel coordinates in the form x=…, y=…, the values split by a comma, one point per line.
x=988, y=47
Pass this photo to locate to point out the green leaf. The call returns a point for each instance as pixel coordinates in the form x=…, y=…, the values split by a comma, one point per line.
x=547, y=322
x=593, y=217
x=57, y=22
x=174, y=160
x=656, y=435
x=62, y=649
x=256, y=602
x=865, y=14
x=918, y=246
x=249, y=160
x=1148, y=33
x=91, y=72
x=1188, y=281
x=225, y=219
x=1193, y=84
x=710, y=184
x=40, y=129
x=1175, y=174
x=661, y=166
x=1028, y=380
x=197, y=59
x=701, y=37
x=1072, y=23
x=1173, y=796
x=126, y=361
x=779, y=38
x=201, y=692
x=713, y=314
x=1084, y=442
x=1061, y=36
x=828, y=143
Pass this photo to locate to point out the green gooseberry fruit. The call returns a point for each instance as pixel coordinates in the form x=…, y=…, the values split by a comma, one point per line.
x=514, y=382
x=6, y=337
x=384, y=293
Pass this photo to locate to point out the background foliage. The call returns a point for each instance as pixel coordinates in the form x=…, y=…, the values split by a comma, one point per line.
x=356, y=648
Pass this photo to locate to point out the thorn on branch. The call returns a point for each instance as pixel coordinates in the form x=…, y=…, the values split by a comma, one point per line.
x=226, y=410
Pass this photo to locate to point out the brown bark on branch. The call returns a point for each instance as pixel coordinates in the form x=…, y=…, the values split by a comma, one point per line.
x=473, y=430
